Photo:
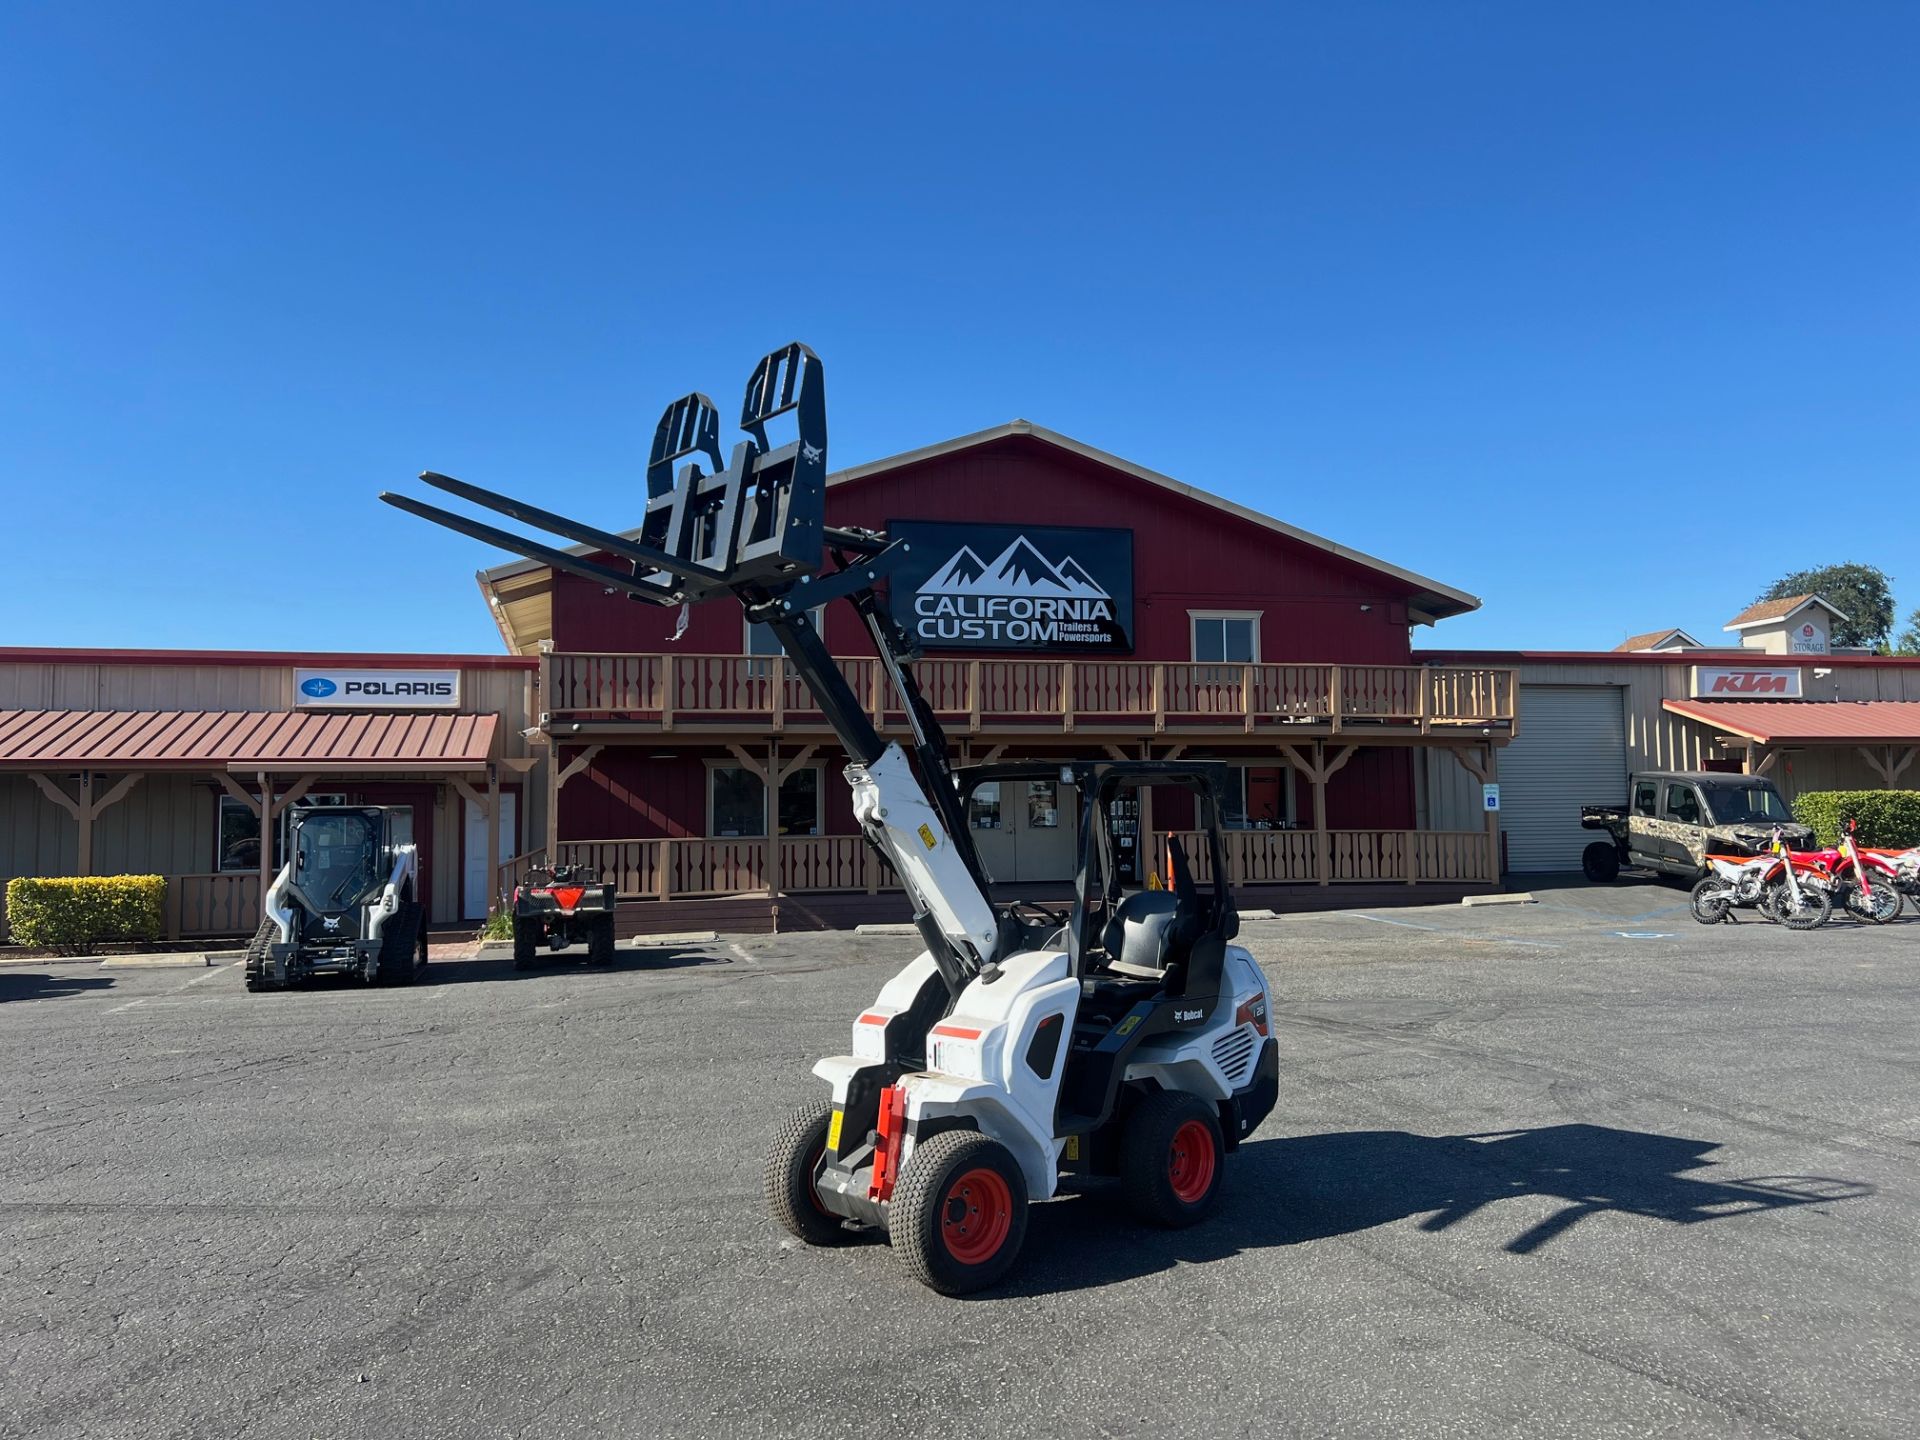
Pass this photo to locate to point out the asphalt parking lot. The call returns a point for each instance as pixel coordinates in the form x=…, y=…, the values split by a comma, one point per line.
x=1576, y=1168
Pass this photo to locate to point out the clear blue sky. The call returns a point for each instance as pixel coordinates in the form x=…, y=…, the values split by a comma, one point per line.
x=1606, y=313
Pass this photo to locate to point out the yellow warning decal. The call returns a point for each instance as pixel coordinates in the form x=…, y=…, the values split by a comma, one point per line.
x=1128, y=1025
x=926, y=837
x=833, y=1130
x=1072, y=1151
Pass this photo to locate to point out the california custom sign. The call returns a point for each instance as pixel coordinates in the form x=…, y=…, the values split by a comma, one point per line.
x=1015, y=587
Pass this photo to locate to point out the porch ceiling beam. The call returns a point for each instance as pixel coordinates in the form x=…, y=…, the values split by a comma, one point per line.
x=292, y=793
x=805, y=754
x=577, y=764
x=238, y=792
x=473, y=797
x=748, y=763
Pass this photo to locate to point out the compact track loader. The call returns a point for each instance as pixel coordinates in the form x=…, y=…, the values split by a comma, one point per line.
x=346, y=902
x=1123, y=1036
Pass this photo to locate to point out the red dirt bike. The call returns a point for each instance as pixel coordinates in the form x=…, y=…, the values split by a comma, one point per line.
x=1906, y=869
x=1866, y=884
x=1790, y=888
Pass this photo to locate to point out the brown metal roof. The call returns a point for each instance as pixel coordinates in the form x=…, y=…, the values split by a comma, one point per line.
x=331, y=740
x=1840, y=722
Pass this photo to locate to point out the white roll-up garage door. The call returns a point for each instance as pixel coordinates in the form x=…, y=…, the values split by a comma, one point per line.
x=1571, y=751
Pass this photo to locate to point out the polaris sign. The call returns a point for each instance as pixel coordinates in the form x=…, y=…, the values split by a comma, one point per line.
x=1015, y=587
x=376, y=689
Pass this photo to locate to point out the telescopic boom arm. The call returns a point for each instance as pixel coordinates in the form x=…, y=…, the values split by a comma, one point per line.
x=756, y=529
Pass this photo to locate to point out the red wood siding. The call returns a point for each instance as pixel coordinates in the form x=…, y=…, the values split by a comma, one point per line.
x=626, y=794
x=1187, y=556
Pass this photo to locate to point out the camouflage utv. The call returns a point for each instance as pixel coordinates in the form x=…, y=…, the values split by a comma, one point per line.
x=1674, y=819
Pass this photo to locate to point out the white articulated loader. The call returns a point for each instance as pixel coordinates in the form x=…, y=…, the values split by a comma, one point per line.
x=1123, y=1036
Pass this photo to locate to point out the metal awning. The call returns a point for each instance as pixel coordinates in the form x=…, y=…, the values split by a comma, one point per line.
x=250, y=741
x=1808, y=722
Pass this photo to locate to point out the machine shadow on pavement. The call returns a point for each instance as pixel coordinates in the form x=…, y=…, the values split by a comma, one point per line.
x=500, y=967
x=1315, y=1187
x=37, y=985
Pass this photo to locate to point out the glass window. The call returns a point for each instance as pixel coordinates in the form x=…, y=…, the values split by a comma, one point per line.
x=739, y=802
x=237, y=846
x=983, y=806
x=1233, y=799
x=1223, y=639
x=1748, y=805
x=1645, y=798
x=1683, y=805
x=337, y=858
x=1043, y=805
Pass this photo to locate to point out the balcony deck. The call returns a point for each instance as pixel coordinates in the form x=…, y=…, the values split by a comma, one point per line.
x=723, y=695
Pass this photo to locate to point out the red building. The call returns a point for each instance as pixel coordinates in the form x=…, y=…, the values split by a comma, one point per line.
x=1070, y=602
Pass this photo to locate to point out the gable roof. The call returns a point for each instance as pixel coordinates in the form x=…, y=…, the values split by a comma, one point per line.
x=1657, y=640
x=1767, y=612
x=514, y=591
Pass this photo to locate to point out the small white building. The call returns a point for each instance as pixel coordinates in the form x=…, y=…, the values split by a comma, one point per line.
x=1794, y=625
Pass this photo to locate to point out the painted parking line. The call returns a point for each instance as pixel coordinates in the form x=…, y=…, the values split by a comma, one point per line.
x=1458, y=934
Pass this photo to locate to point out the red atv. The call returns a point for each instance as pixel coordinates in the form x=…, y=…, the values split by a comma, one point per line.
x=559, y=906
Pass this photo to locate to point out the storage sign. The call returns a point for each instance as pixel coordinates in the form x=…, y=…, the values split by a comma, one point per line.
x=376, y=689
x=1729, y=682
x=1015, y=587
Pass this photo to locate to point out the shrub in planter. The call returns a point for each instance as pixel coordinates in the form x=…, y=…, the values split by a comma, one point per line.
x=1888, y=818
x=74, y=914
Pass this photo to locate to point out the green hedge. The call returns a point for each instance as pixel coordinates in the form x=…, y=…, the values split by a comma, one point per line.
x=1888, y=818
x=73, y=915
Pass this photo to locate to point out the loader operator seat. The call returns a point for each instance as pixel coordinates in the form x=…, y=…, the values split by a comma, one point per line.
x=1152, y=932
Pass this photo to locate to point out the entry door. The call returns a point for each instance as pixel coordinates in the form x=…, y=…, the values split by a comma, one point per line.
x=1046, y=830
x=474, y=880
x=990, y=818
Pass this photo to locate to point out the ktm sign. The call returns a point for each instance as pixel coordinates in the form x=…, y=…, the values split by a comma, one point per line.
x=1729, y=683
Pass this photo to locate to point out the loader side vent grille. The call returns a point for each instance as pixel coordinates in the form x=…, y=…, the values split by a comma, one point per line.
x=1232, y=1053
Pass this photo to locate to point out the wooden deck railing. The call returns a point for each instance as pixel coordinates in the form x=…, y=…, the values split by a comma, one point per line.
x=688, y=869
x=226, y=904
x=679, y=691
x=1303, y=857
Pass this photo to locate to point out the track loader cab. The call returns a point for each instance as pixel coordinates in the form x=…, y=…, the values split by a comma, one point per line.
x=346, y=901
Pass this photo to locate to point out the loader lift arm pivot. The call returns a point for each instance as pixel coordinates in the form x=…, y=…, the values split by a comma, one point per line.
x=756, y=529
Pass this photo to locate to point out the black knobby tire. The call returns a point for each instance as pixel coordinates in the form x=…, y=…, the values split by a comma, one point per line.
x=797, y=1151
x=526, y=940
x=1172, y=1159
x=600, y=942
x=1882, y=909
x=1712, y=900
x=259, y=966
x=1600, y=862
x=1816, y=910
x=959, y=1212
x=399, y=941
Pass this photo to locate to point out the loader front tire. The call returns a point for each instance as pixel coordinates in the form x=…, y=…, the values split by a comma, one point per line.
x=797, y=1151
x=959, y=1213
x=1172, y=1159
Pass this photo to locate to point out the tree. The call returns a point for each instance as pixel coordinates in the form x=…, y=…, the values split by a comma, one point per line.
x=1910, y=637
x=1863, y=592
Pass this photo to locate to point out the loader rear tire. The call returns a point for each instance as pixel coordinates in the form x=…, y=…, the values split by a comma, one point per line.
x=959, y=1213
x=1172, y=1159
x=797, y=1151
x=259, y=965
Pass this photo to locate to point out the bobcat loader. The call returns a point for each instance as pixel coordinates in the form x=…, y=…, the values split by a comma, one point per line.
x=1124, y=1036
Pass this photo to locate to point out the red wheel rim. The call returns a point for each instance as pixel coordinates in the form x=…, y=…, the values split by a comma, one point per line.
x=1191, y=1161
x=813, y=1187
x=976, y=1215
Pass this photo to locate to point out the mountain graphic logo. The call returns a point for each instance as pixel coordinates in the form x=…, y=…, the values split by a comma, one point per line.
x=1020, y=569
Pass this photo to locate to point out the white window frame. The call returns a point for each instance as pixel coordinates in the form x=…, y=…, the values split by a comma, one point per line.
x=1252, y=617
x=746, y=633
x=819, y=797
